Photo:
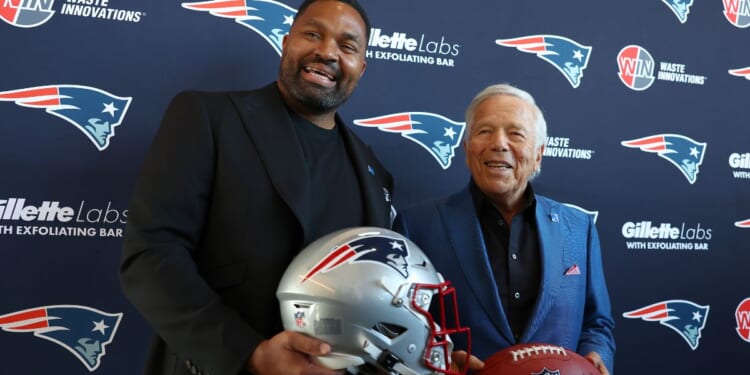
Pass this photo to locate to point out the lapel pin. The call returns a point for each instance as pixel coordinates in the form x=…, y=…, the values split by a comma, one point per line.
x=371, y=170
x=554, y=218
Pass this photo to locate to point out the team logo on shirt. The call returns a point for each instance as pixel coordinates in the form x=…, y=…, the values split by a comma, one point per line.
x=684, y=317
x=269, y=19
x=566, y=55
x=681, y=151
x=436, y=134
x=94, y=112
x=386, y=251
x=81, y=330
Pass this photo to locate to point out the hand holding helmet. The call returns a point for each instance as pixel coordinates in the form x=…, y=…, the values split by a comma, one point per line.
x=367, y=292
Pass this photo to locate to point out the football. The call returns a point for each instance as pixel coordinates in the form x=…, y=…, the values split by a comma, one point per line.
x=537, y=359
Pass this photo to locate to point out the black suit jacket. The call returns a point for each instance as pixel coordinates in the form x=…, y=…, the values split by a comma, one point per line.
x=219, y=210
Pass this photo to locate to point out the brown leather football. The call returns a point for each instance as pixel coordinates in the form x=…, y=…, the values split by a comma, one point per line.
x=537, y=359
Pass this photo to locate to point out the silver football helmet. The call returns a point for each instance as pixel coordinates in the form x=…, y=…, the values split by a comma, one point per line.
x=367, y=291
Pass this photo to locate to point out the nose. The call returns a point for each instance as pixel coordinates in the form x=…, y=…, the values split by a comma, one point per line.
x=327, y=49
x=499, y=141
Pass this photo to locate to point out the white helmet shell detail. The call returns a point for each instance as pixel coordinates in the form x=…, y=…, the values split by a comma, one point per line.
x=367, y=291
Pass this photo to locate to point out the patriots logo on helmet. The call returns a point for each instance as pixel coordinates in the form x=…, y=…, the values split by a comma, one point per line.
x=737, y=12
x=681, y=8
x=94, y=112
x=741, y=72
x=683, y=152
x=26, y=13
x=568, y=56
x=81, y=330
x=742, y=223
x=684, y=317
x=438, y=135
x=386, y=251
x=269, y=19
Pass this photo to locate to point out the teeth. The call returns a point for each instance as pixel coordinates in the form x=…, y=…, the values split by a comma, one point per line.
x=497, y=164
x=318, y=72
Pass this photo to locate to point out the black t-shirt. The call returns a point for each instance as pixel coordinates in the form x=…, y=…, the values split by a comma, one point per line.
x=334, y=190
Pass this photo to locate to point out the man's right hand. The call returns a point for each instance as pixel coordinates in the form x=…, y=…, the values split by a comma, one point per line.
x=289, y=353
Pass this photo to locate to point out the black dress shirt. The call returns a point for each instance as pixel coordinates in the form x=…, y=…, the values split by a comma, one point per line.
x=514, y=255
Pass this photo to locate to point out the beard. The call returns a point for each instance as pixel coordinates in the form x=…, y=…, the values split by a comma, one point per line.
x=317, y=98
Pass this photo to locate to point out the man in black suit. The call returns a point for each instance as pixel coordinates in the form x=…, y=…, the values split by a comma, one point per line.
x=234, y=185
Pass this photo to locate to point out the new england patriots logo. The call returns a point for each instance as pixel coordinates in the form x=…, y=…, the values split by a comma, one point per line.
x=684, y=317
x=683, y=152
x=741, y=72
x=436, y=134
x=386, y=251
x=568, y=56
x=269, y=19
x=94, y=112
x=81, y=330
x=742, y=223
x=26, y=13
x=681, y=8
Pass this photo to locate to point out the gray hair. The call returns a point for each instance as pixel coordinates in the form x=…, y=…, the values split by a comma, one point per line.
x=540, y=125
x=506, y=89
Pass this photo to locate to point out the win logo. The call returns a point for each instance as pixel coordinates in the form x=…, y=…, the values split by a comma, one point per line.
x=26, y=13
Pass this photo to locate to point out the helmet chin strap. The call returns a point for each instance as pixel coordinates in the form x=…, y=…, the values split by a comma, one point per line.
x=389, y=361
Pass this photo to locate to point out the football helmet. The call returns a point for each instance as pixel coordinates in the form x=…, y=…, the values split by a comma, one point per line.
x=367, y=292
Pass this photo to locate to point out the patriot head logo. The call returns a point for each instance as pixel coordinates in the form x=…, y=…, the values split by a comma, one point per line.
x=378, y=249
x=684, y=317
x=742, y=223
x=741, y=72
x=737, y=12
x=438, y=135
x=636, y=67
x=742, y=315
x=81, y=330
x=269, y=19
x=568, y=56
x=94, y=112
x=683, y=152
x=680, y=8
x=26, y=13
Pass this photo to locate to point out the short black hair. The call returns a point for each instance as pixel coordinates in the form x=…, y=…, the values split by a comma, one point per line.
x=352, y=3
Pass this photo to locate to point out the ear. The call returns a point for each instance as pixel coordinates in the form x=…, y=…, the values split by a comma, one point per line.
x=538, y=157
x=283, y=41
x=364, y=66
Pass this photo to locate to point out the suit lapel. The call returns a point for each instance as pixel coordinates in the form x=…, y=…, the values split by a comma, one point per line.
x=267, y=121
x=465, y=235
x=552, y=241
x=375, y=195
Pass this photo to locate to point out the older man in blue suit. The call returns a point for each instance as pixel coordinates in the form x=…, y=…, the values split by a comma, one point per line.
x=527, y=268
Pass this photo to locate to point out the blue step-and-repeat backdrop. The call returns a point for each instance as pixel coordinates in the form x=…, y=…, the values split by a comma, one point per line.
x=647, y=105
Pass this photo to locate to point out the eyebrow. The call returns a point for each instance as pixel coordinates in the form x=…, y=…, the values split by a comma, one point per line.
x=355, y=37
